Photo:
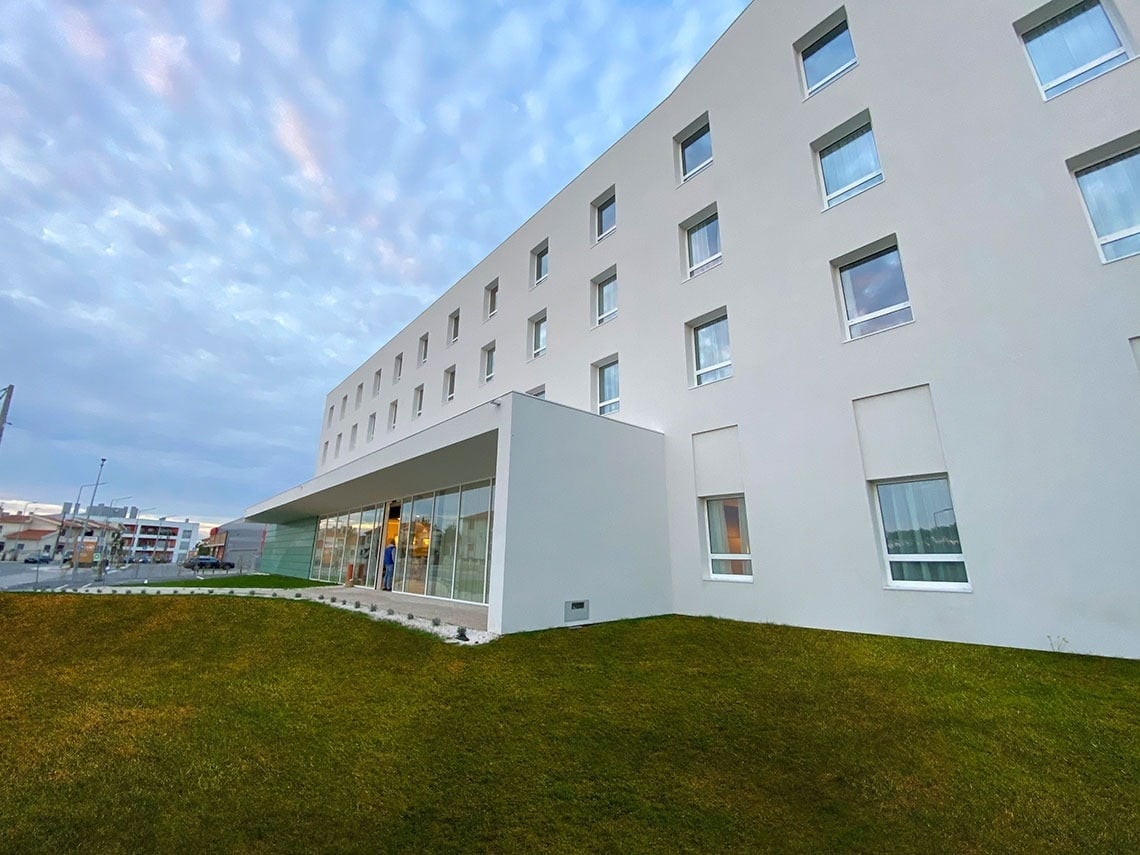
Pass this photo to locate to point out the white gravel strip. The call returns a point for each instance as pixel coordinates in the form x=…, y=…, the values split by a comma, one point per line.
x=447, y=632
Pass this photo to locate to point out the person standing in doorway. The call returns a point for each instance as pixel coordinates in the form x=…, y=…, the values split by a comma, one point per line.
x=389, y=565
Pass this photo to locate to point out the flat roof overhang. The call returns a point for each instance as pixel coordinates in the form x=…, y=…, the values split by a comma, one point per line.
x=459, y=450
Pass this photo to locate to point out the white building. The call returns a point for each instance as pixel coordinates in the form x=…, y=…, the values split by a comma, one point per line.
x=156, y=540
x=844, y=334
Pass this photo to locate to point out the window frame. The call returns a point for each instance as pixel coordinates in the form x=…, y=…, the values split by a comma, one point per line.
x=1038, y=20
x=714, y=260
x=834, y=141
x=820, y=35
x=862, y=256
x=490, y=299
x=487, y=362
x=359, y=395
x=537, y=325
x=608, y=406
x=688, y=137
x=370, y=434
x=449, y=384
x=393, y=414
x=1104, y=156
x=889, y=583
x=418, y=401
x=599, y=283
x=711, y=556
x=352, y=434
x=397, y=367
x=422, y=349
x=540, y=256
x=695, y=326
x=377, y=379
x=604, y=202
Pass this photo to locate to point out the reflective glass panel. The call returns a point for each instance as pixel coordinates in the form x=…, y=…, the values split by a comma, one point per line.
x=1076, y=46
x=714, y=359
x=704, y=243
x=607, y=299
x=441, y=550
x=608, y=388
x=828, y=57
x=850, y=166
x=918, y=518
x=607, y=216
x=419, y=545
x=473, y=543
x=872, y=286
x=696, y=151
x=1112, y=194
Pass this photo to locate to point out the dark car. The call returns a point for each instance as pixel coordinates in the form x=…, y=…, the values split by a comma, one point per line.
x=37, y=559
x=204, y=562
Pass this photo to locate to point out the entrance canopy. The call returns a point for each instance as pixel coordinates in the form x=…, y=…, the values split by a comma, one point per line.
x=460, y=450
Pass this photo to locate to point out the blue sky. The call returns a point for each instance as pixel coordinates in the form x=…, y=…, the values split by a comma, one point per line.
x=211, y=212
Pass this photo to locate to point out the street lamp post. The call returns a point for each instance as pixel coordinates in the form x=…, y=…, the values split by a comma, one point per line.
x=87, y=519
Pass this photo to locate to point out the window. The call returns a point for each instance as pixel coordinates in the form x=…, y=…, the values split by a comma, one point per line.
x=850, y=166
x=538, y=392
x=336, y=451
x=538, y=335
x=343, y=406
x=605, y=215
x=608, y=392
x=1111, y=191
x=491, y=299
x=352, y=439
x=418, y=402
x=696, y=151
x=376, y=383
x=423, y=348
x=874, y=293
x=1076, y=45
x=541, y=263
x=453, y=327
x=605, y=299
x=325, y=453
x=397, y=368
x=730, y=554
x=449, y=384
x=371, y=428
x=359, y=394
x=393, y=409
x=828, y=56
x=703, y=240
x=489, y=363
x=332, y=410
x=920, y=534
x=711, y=355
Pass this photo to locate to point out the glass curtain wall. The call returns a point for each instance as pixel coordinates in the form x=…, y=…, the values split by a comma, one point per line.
x=443, y=548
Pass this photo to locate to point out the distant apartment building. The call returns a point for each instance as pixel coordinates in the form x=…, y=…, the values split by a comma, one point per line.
x=845, y=333
x=157, y=540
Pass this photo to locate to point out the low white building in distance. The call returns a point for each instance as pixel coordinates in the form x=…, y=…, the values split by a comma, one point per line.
x=845, y=333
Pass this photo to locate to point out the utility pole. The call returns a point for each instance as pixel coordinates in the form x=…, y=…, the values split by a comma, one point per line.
x=5, y=402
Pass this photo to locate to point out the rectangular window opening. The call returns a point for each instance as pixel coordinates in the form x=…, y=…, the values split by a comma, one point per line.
x=712, y=356
x=874, y=294
x=919, y=534
x=1072, y=47
x=730, y=552
x=829, y=56
x=1111, y=191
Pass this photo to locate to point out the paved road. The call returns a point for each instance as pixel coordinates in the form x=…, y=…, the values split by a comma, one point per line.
x=16, y=576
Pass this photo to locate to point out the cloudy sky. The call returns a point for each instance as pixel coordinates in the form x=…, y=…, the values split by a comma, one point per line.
x=211, y=212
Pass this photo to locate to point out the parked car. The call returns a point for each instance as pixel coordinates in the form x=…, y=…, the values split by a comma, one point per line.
x=38, y=559
x=203, y=562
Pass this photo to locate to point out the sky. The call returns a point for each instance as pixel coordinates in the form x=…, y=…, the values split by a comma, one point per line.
x=212, y=211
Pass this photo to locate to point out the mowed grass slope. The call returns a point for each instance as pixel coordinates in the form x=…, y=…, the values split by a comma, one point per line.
x=165, y=723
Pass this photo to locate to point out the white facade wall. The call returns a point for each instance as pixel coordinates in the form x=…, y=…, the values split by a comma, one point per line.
x=1023, y=346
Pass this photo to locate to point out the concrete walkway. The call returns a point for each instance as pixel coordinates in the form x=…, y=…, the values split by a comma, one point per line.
x=470, y=615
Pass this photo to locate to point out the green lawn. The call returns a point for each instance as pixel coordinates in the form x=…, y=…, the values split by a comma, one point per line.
x=194, y=724
x=266, y=581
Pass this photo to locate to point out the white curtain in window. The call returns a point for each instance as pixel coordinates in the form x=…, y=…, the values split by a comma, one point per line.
x=608, y=382
x=712, y=344
x=850, y=160
x=1112, y=193
x=704, y=241
x=1070, y=41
